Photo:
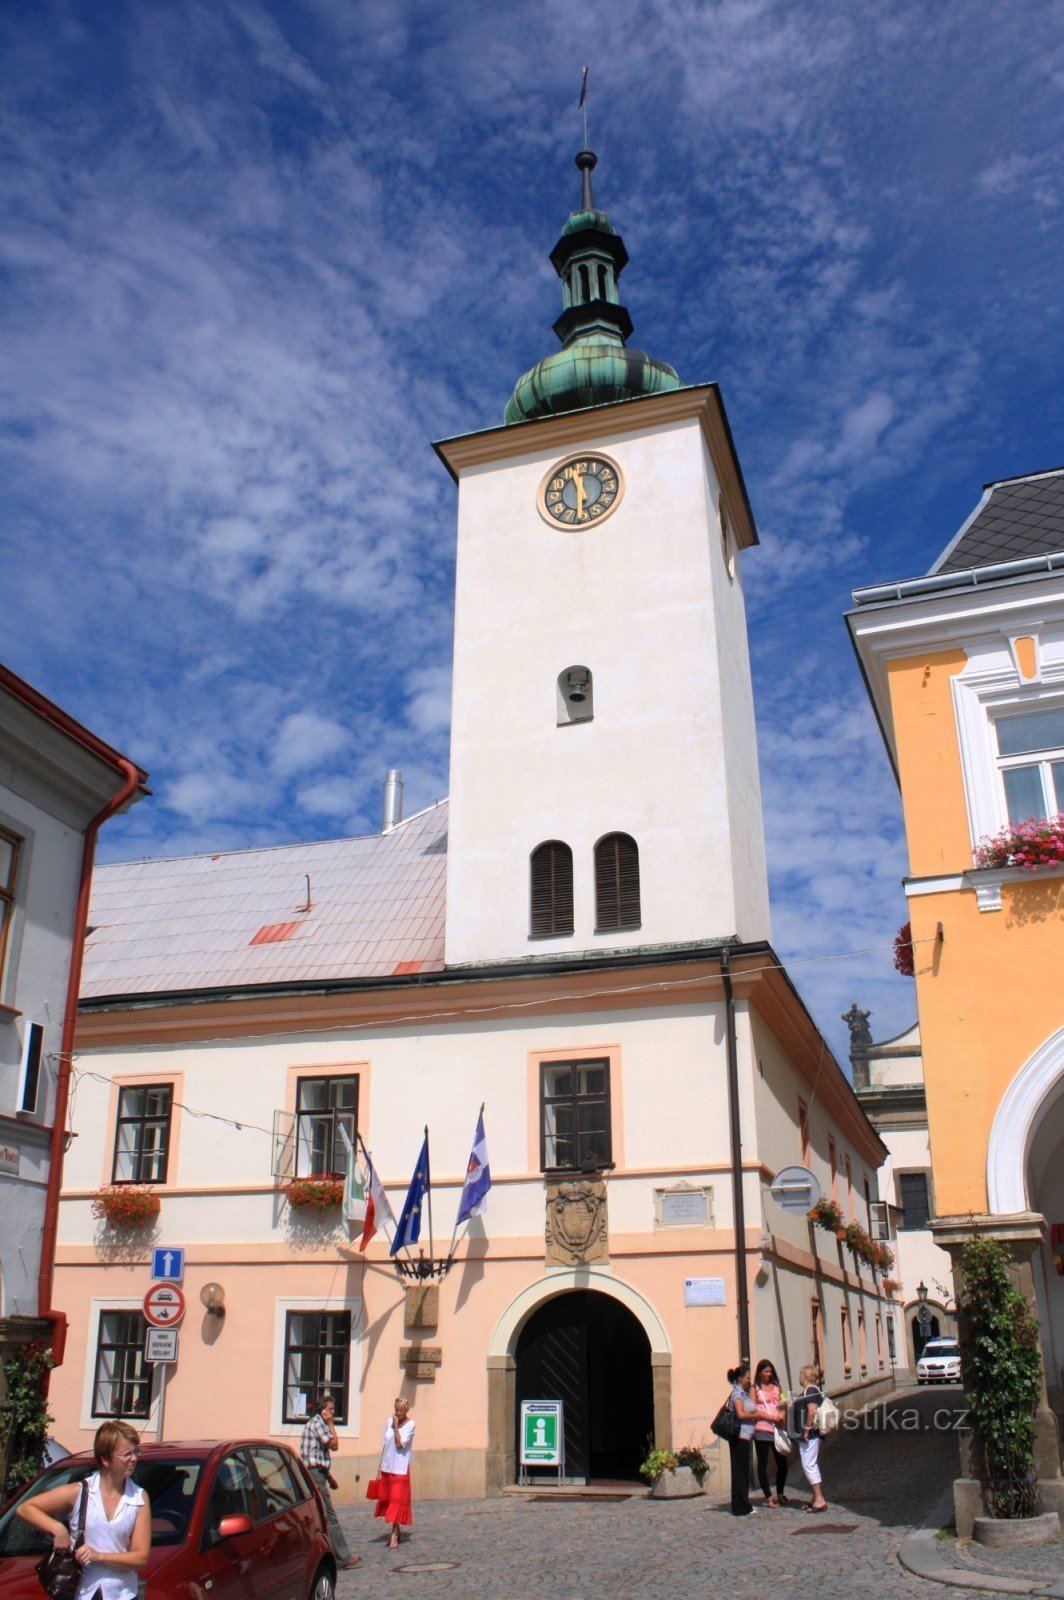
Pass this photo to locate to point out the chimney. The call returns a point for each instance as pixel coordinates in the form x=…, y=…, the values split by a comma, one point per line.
x=392, y=809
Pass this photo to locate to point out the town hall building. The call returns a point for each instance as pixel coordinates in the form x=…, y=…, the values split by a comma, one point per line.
x=578, y=939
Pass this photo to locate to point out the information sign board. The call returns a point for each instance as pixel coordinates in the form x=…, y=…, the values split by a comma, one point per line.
x=703, y=1292
x=542, y=1433
x=160, y=1346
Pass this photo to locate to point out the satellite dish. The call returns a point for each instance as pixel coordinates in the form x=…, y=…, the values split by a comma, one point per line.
x=795, y=1189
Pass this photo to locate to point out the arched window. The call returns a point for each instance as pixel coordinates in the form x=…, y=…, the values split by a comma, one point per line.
x=585, y=285
x=616, y=883
x=551, y=889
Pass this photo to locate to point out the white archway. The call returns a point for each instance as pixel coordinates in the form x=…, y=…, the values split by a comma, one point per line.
x=1031, y=1094
x=504, y=1336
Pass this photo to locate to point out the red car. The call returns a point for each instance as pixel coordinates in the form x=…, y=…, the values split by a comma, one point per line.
x=227, y=1521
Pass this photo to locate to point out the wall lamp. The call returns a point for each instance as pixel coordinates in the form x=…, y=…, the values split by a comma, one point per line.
x=921, y=1292
x=212, y=1299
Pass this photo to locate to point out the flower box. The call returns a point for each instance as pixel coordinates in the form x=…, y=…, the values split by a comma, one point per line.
x=126, y=1205
x=1038, y=842
x=324, y=1193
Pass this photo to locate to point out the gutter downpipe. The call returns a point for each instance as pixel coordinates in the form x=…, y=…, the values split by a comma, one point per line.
x=742, y=1294
x=57, y=1144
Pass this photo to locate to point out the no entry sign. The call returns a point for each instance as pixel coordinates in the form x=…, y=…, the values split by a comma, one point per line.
x=164, y=1305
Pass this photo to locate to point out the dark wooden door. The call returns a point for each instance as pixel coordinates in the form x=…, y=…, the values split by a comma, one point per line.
x=591, y=1353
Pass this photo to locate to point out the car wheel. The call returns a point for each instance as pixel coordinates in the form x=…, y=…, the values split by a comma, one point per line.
x=324, y=1585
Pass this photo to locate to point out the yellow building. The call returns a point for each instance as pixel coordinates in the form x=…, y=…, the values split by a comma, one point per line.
x=965, y=668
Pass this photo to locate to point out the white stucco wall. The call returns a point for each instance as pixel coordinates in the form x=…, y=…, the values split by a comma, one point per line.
x=634, y=598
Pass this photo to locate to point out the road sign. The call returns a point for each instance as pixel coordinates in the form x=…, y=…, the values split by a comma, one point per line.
x=167, y=1264
x=164, y=1305
x=160, y=1346
x=795, y=1189
x=541, y=1433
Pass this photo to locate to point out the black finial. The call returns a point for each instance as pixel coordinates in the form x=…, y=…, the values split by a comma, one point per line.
x=586, y=161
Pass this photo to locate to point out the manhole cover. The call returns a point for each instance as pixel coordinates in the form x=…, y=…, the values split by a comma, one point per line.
x=827, y=1527
x=428, y=1566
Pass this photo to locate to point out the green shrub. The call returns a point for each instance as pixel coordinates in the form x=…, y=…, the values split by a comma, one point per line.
x=1002, y=1368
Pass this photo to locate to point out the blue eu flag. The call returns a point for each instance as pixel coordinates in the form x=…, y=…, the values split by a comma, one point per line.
x=408, y=1229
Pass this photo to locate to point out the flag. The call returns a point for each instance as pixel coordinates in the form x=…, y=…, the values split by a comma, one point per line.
x=474, y=1197
x=583, y=91
x=408, y=1228
x=378, y=1211
x=354, y=1208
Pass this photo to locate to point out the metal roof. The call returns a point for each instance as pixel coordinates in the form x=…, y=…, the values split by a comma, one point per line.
x=1016, y=518
x=376, y=909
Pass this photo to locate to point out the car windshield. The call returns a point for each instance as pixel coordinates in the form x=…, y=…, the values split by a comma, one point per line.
x=942, y=1347
x=170, y=1485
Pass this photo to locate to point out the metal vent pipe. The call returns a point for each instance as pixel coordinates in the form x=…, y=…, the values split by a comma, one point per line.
x=392, y=809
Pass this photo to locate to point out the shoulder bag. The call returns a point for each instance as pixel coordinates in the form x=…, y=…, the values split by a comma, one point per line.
x=726, y=1424
x=58, y=1572
x=373, y=1487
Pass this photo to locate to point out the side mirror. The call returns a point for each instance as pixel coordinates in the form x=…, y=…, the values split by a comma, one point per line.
x=229, y=1527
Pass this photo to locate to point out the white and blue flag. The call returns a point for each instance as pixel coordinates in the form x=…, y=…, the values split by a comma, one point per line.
x=474, y=1197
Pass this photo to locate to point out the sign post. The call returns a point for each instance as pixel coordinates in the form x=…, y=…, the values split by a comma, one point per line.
x=164, y=1305
x=542, y=1437
x=168, y=1264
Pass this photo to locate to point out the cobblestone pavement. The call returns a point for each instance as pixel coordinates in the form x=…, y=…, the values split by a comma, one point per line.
x=1045, y=1561
x=882, y=1476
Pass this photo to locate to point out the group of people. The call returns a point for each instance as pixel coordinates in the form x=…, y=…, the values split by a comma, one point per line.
x=766, y=1422
x=393, y=1474
x=106, y=1519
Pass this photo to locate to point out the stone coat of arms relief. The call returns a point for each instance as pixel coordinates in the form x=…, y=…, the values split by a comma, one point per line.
x=577, y=1230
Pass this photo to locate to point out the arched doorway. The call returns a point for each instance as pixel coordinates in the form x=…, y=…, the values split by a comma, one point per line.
x=589, y=1351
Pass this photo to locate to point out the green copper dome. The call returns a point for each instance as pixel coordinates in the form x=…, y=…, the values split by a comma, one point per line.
x=594, y=366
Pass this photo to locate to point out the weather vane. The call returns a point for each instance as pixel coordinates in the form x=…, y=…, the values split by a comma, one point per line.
x=582, y=103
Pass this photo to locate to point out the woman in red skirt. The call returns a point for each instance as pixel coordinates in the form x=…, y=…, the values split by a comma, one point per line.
x=393, y=1501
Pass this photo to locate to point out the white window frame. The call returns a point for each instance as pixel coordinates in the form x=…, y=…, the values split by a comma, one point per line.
x=978, y=698
x=279, y=1429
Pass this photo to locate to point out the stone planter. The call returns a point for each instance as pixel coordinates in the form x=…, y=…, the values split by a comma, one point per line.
x=1000, y=1533
x=676, y=1483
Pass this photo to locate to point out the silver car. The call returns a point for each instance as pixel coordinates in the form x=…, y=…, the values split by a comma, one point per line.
x=940, y=1362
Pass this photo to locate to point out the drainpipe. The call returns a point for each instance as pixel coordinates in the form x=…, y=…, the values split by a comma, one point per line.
x=57, y=1147
x=741, y=1290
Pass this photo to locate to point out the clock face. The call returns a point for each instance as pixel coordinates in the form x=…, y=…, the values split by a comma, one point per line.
x=580, y=491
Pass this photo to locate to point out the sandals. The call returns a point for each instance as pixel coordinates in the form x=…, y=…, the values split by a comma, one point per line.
x=772, y=1501
x=393, y=1542
x=814, y=1510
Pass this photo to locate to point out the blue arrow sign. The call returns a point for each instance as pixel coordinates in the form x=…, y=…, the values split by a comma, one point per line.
x=167, y=1264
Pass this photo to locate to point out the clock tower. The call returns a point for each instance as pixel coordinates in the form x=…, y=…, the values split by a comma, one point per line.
x=604, y=786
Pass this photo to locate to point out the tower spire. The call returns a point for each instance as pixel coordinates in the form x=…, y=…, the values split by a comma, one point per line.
x=593, y=367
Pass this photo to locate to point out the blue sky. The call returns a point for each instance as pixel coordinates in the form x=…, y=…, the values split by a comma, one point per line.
x=255, y=256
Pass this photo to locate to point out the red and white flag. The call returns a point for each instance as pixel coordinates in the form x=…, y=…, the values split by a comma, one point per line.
x=378, y=1211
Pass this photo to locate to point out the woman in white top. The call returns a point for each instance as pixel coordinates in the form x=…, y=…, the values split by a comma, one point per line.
x=393, y=1501
x=117, y=1518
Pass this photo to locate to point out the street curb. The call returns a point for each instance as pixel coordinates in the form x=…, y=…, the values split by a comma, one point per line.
x=921, y=1553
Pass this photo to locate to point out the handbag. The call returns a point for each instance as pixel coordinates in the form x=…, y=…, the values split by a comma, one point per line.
x=726, y=1424
x=58, y=1572
x=781, y=1441
x=373, y=1489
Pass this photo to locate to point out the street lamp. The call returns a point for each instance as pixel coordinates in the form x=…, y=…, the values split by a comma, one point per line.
x=921, y=1292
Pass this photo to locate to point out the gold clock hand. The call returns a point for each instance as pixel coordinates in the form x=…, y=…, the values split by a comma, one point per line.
x=581, y=495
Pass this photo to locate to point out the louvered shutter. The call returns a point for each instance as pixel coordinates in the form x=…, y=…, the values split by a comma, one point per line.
x=552, y=888
x=616, y=883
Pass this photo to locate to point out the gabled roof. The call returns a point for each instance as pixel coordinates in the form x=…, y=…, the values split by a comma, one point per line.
x=1016, y=518
x=237, y=920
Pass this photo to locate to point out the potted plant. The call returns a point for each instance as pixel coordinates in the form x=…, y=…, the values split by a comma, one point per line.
x=325, y=1192
x=1038, y=842
x=827, y=1215
x=890, y=1286
x=675, y=1475
x=126, y=1205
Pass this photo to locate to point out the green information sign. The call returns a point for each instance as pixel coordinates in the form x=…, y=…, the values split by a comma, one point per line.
x=541, y=1433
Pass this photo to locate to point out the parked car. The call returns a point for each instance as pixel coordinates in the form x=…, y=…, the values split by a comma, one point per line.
x=233, y=1519
x=940, y=1362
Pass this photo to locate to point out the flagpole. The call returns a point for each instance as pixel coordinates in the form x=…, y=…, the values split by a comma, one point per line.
x=428, y=1186
x=454, y=1235
x=369, y=1163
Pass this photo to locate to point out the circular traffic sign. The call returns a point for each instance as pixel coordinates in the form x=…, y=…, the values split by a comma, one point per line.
x=795, y=1189
x=164, y=1305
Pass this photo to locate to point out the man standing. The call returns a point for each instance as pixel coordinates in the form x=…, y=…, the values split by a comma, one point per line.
x=318, y=1441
